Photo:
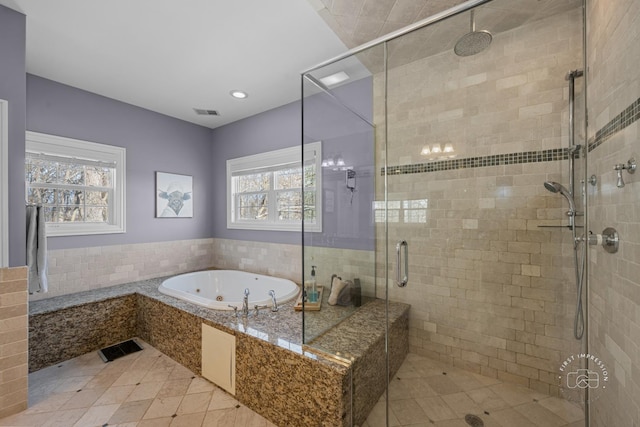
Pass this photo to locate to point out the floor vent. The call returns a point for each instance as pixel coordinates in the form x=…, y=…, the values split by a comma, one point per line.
x=108, y=354
x=473, y=420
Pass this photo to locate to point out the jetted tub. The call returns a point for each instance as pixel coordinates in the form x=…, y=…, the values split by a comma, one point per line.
x=218, y=289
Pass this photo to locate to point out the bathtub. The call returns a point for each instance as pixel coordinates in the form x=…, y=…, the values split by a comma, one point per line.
x=218, y=289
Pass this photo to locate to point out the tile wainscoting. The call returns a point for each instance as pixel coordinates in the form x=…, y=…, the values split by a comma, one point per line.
x=83, y=269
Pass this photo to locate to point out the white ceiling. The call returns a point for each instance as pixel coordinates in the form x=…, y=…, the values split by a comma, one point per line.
x=172, y=56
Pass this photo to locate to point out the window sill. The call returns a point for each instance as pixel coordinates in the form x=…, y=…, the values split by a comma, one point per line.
x=59, y=230
x=273, y=227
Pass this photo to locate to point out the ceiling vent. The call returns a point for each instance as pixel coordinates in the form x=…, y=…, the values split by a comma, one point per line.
x=203, y=112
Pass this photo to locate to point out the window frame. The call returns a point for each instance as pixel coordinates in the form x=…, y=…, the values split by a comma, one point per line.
x=311, y=153
x=58, y=146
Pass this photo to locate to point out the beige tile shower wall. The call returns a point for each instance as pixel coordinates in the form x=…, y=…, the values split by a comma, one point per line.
x=489, y=288
x=81, y=269
x=613, y=84
x=510, y=98
x=13, y=340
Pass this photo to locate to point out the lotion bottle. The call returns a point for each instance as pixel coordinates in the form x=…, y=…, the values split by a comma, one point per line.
x=313, y=295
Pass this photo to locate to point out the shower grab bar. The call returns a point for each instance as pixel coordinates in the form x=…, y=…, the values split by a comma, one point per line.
x=405, y=279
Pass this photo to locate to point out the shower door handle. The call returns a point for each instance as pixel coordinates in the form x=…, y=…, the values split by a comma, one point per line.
x=402, y=280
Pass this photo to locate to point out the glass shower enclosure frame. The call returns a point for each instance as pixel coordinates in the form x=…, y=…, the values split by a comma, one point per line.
x=434, y=195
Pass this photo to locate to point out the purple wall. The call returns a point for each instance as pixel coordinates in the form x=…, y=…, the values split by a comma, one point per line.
x=347, y=225
x=13, y=89
x=154, y=142
x=268, y=131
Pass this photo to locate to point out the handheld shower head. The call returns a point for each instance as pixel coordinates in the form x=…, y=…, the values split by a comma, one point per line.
x=552, y=186
x=555, y=187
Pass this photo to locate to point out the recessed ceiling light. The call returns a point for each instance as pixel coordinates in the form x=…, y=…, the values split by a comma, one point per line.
x=334, y=79
x=238, y=94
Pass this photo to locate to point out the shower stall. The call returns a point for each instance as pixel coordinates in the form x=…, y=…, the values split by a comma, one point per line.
x=455, y=180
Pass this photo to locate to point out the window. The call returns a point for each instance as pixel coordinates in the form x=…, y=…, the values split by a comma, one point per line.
x=275, y=191
x=80, y=184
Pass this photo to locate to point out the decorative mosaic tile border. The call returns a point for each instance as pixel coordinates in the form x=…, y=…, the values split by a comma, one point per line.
x=627, y=117
x=479, y=162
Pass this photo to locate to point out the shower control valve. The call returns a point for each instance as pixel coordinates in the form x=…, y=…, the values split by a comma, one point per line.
x=609, y=239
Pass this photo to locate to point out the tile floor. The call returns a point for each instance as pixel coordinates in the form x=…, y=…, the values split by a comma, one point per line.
x=428, y=393
x=143, y=389
x=149, y=389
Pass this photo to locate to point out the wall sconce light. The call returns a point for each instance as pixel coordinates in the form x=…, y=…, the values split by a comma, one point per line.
x=336, y=163
x=437, y=152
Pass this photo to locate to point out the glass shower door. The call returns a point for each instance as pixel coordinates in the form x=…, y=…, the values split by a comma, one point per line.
x=470, y=140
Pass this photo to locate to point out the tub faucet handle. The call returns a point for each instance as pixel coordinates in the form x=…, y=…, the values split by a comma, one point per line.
x=258, y=307
x=235, y=309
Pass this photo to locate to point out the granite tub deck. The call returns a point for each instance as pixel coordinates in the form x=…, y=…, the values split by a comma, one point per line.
x=276, y=376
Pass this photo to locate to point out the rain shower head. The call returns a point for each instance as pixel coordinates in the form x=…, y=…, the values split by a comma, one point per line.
x=473, y=42
x=555, y=187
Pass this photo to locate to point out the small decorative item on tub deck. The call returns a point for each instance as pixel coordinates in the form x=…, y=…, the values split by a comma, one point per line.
x=308, y=305
x=311, y=294
x=174, y=195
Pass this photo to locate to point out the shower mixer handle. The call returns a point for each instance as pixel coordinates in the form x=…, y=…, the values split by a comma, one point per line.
x=630, y=167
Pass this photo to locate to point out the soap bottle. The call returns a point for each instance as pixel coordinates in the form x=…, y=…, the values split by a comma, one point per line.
x=313, y=295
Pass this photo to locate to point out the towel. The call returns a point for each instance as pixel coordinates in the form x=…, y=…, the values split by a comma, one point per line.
x=340, y=291
x=36, y=249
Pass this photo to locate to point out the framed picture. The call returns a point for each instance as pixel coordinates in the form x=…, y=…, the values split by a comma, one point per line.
x=174, y=195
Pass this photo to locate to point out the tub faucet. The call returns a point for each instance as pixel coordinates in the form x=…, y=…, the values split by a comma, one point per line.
x=274, y=303
x=245, y=303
